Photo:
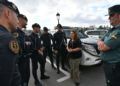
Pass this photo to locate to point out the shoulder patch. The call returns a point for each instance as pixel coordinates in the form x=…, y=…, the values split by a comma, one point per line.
x=14, y=46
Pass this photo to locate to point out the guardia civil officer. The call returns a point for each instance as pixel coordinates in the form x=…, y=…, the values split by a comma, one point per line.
x=46, y=39
x=23, y=61
x=59, y=46
x=9, y=48
x=109, y=46
x=37, y=54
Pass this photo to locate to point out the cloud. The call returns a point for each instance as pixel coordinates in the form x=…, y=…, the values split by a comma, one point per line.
x=72, y=12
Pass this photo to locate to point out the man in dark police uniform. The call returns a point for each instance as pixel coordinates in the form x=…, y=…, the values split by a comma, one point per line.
x=46, y=39
x=23, y=61
x=59, y=46
x=9, y=48
x=37, y=54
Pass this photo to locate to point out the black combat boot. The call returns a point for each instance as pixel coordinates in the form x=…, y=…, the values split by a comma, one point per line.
x=77, y=84
x=44, y=77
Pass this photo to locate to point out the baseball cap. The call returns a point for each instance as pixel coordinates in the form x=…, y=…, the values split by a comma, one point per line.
x=114, y=9
x=10, y=5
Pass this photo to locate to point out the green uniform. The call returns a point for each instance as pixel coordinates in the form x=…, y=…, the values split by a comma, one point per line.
x=112, y=40
x=111, y=58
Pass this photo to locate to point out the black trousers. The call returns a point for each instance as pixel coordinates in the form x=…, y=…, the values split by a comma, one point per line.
x=48, y=52
x=24, y=69
x=37, y=58
x=112, y=73
x=61, y=57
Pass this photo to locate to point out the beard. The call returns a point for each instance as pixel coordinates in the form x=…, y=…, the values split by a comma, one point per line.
x=13, y=28
x=24, y=26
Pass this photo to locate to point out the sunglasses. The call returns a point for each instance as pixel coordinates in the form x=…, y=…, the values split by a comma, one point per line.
x=111, y=15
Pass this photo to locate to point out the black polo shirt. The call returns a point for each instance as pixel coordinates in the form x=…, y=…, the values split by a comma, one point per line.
x=75, y=44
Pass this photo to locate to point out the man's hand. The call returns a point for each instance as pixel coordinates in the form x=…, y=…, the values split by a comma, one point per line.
x=40, y=52
x=102, y=46
x=69, y=50
x=56, y=51
x=42, y=48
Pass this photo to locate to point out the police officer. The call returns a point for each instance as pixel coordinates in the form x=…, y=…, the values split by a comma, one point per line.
x=9, y=48
x=23, y=61
x=109, y=46
x=46, y=39
x=59, y=46
x=37, y=54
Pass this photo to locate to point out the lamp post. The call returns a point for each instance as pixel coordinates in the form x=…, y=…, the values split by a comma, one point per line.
x=58, y=17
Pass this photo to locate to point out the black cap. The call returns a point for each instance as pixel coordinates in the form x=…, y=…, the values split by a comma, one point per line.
x=36, y=25
x=22, y=16
x=10, y=5
x=114, y=9
x=59, y=26
x=45, y=28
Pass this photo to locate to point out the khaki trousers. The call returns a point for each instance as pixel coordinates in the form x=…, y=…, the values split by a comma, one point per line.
x=74, y=70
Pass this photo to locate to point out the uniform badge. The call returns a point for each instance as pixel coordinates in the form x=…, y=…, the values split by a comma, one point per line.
x=114, y=37
x=14, y=46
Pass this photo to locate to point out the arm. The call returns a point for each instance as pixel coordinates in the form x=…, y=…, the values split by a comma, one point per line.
x=71, y=49
x=102, y=46
x=40, y=47
x=68, y=47
x=65, y=38
x=78, y=44
x=7, y=62
x=110, y=42
x=76, y=49
x=54, y=41
x=51, y=36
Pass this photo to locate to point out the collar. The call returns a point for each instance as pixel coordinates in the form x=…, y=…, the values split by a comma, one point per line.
x=19, y=30
x=117, y=26
x=3, y=28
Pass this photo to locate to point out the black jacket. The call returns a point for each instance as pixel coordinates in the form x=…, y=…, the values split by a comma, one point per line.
x=46, y=39
x=36, y=41
x=9, y=75
x=24, y=42
x=59, y=40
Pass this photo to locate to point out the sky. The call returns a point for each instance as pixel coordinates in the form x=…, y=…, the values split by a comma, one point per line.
x=75, y=13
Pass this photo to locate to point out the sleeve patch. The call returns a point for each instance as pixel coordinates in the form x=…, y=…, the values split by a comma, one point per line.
x=14, y=46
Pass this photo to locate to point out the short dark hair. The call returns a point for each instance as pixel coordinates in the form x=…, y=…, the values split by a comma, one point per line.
x=59, y=26
x=22, y=16
x=45, y=28
x=10, y=5
x=36, y=25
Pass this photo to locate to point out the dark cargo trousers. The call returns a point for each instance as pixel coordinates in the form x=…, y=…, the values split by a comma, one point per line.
x=24, y=69
x=112, y=73
x=37, y=58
